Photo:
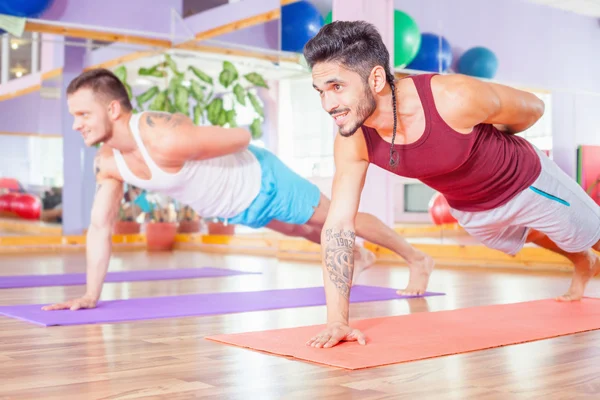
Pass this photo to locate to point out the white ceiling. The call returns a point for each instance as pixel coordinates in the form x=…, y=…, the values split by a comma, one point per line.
x=590, y=8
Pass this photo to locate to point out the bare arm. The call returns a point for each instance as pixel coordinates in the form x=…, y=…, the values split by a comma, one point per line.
x=338, y=234
x=465, y=102
x=109, y=193
x=181, y=140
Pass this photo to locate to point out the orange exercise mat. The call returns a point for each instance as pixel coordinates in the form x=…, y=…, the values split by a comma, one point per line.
x=392, y=340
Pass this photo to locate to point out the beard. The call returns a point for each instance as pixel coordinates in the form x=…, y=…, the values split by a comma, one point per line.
x=365, y=108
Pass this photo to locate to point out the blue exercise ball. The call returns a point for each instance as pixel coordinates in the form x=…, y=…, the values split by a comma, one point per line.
x=478, y=61
x=434, y=55
x=25, y=8
x=300, y=22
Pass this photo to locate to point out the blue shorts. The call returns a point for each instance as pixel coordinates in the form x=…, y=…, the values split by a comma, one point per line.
x=284, y=195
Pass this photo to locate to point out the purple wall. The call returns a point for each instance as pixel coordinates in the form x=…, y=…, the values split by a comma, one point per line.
x=20, y=113
x=138, y=15
x=227, y=13
x=536, y=45
x=265, y=36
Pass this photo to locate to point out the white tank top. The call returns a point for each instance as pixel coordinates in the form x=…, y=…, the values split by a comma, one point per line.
x=217, y=187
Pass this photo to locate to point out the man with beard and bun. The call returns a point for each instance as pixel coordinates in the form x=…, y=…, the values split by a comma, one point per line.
x=214, y=170
x=454, y=133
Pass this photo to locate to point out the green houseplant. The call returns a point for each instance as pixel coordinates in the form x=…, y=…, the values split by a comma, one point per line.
x=206, y=99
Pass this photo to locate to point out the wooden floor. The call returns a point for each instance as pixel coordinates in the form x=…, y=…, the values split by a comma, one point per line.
x=169, y=358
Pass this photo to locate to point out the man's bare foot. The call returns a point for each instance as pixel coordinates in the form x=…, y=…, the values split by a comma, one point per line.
x=586, y=269
x=363, y=259
x=420, y=271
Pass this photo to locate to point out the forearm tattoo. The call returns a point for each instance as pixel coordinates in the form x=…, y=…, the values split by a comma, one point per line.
x=339, y=258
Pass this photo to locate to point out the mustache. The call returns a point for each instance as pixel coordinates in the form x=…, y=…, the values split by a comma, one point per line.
x=339, y=111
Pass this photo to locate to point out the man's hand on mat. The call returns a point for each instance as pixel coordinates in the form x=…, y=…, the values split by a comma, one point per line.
x=335, y=333
x=75, y=304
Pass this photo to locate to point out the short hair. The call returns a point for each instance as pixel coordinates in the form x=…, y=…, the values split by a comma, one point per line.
x=104, y=83
x=356, y=45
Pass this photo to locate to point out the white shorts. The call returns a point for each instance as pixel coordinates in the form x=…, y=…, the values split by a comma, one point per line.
x=554, y=204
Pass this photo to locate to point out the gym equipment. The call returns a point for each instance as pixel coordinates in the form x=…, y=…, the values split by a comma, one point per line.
x=480, y=62
x=434, y=55
x=300, y=22
x=439, y=210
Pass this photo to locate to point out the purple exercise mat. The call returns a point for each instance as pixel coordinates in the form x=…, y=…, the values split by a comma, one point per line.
x=23, y=281
x=194, y=305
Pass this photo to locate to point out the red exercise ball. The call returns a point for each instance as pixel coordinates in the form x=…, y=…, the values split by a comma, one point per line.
x=26, y=206
x=439, y=210
x=6, y=201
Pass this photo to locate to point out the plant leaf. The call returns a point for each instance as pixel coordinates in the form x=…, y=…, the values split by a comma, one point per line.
x=158, y=104
x=182, y=100
x=198, y=111
x=169, y=106
x=172, y=65
x=147, y=95
x=256, y=129
x=201, y=75
x=152, y=71
x=256, y=104
x=228, y=75
x=214, y=110
x=240, y=94
x=197, y=91
x=222, y=120
x=256, y=79
x=230, y=117
x=121, y=73
x=174, y=83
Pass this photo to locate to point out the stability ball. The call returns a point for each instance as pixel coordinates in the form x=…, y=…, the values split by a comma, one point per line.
x=24, y=8
x=6, y=200
x=407, y=38
x=435, y=54
x=300, y=22
x=27, y=206
x=439, y=210
x=478, y=61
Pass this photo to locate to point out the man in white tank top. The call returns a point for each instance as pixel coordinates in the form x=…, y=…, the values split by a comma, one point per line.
x=214, y=170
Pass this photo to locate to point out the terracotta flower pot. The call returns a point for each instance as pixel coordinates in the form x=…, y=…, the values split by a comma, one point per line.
x=160, y=236
x=219, y=228
x=189, y=226
x=126, y=228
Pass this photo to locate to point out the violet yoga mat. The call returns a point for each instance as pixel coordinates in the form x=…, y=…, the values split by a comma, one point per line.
x=194, y=305
x=24, y=281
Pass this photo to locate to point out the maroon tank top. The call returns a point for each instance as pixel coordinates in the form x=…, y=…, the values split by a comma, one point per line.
x=478, y=171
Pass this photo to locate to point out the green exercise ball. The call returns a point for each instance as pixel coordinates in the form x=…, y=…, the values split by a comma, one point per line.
x=407, y=38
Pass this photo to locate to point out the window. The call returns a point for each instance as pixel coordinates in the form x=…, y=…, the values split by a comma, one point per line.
x=306, y=131
x=540, y=134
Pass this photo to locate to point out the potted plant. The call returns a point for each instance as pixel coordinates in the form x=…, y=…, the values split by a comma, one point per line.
x=162, y=225
x=189, y=221
x=206, y=99
x=127, y=223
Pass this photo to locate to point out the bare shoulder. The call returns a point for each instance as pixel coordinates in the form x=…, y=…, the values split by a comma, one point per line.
x=456, y=86
x=105, y=166
x=462, y=101
x=161, y=130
